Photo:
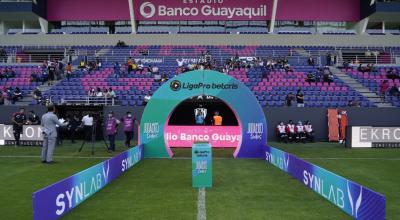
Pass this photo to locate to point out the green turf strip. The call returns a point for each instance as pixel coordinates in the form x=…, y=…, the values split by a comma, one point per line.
x=161, y=188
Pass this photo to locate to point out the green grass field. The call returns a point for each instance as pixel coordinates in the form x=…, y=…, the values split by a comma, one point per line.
x=161, y=188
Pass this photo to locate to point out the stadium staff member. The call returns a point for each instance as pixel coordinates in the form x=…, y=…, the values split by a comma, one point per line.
x=217, y=119
x=49, y=122
x=343, y=122
x=87, y=123
x=129, y=123
x=18, y=119
x=111, y=129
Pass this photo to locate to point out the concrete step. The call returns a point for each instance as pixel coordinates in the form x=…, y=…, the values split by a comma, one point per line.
x=384, y=105
x=370, y=95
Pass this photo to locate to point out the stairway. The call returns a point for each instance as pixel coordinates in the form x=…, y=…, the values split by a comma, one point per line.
x=371, y=96
x=302, y=52
x=27, y=99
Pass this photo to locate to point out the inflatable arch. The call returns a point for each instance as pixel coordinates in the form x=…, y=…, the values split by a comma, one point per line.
x=234, y=93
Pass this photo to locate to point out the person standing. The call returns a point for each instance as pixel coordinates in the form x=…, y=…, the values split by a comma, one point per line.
x=52, y=71
x=73, y=126
x=128, y=121
x=18, y=119
x=111, y=130
x=49, y=122
x=68, y=71
x=217, y=119
x=343, y=123
x=87, y=123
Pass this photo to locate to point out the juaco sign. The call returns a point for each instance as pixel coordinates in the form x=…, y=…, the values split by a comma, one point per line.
x=201, y=10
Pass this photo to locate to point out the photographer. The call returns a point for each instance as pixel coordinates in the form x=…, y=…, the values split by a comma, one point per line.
x=87, y=126
x=18, y=119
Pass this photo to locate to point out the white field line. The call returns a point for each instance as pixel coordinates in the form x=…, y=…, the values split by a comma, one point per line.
x=189, y=158
x=201, y=205
x=65, y=157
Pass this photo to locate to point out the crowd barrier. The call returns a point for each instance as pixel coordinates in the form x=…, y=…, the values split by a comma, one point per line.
x=56, y=200
x=354, y=199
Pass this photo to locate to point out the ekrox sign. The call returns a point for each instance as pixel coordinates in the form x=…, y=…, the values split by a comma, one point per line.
x=201, y=10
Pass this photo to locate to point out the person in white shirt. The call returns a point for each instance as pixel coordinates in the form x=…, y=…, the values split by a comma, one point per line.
x=99, y=93
x=180, y=62
x=87, y=125
x=281, y=132
x=309, y=131
x=147, y=98
x=154, y=69
x=300, y=132
x=290, y=132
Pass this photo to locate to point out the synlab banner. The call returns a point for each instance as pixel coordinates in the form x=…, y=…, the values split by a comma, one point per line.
x=56, y=200
x=200, y=10
x=31, y=133
x=352, y=198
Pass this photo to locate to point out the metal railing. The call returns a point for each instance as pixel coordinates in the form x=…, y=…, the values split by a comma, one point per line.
x=296, y=55
x=87, y=100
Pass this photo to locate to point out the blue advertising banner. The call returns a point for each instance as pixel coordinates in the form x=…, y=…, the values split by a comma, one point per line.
x=354, y=199
x=56, y=200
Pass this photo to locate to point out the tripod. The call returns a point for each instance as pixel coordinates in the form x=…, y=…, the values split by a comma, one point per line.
x=93, y=139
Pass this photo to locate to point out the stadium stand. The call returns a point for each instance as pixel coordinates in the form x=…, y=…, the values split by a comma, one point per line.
x=131, y=88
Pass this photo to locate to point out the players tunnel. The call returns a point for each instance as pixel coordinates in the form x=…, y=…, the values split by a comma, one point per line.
x=228, y=91
x=198, y=119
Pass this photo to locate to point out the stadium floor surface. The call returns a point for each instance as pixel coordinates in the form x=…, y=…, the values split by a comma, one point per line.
x=161, y=188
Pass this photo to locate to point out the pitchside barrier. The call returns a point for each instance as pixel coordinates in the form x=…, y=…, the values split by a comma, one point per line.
x=56, y=200
x=354, y=199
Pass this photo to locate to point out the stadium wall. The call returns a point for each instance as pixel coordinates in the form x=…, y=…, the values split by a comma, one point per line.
x=318, y=117
x=200, y=39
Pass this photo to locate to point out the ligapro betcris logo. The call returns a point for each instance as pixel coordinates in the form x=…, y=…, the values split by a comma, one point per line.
x=147, y=6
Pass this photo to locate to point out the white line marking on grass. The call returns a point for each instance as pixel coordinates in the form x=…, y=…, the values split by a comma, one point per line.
x=65, y=157
x=221, y=158
x=201, y=205
x=348, y=158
